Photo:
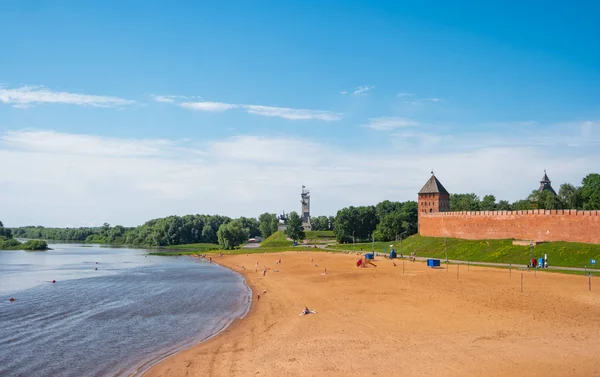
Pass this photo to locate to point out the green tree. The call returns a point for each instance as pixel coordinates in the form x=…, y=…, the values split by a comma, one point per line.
x=570, y=196
x=357, y=222
x=488, y=203
x=464, y=202
x=209, y=235
x=319, y=223
x=522, y=205
x=265, y=222
x=232, y=234
x=275, y=225
x=590, y=192
x=390, y=227
x=5, y=232
x=330, y=222
x=503, y=205
x=105, y=228
x=294, y=229
x=547, y=200
x=345, y=225
x=251, y=224
x=382, y=209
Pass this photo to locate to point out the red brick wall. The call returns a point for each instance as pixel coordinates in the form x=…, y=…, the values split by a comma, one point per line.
x=535, y=225
x=434, y=203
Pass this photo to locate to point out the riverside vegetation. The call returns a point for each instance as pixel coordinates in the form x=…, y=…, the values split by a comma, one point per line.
x=7, y=242
x=387, y=221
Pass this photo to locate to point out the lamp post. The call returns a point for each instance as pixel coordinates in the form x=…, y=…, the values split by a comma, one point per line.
x=446, y=250
x=373, y=247
x=401, y=234
x=530, y=254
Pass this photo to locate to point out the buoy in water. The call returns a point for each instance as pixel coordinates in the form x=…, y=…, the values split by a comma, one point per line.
x=96, y=269
x=54, y=281
x=12, y=299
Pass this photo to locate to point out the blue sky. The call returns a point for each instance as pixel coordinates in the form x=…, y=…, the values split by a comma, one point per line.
x=139, y=109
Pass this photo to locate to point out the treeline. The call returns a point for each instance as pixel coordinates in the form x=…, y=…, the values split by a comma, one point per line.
x=385, y=221
x=7, y=242
x=172, y=230
x=584, y=197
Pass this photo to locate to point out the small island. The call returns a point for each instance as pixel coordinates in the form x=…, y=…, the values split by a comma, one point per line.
x=7, y=242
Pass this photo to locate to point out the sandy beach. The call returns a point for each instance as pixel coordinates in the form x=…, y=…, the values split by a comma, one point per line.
x=381, y=321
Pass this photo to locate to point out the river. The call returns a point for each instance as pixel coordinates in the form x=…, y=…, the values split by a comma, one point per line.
x=111, y=310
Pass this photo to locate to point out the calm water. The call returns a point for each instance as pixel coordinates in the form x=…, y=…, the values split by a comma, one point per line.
x=132, y=311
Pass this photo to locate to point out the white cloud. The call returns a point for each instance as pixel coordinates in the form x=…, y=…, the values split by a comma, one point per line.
x=208, y=106
x=270, y=111
x=26, y=96
x=422, y=137
x=81, y=145
x=343, y=92
x=412, y=99
x=71, y=179
x=421, y=101
x=391, y=123
x=293, y=114
x=362, y=90
x=166, y=99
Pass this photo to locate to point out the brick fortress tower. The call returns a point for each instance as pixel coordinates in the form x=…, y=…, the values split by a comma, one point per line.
x=433, y=197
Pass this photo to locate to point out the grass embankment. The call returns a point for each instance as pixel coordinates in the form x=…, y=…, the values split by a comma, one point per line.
x=565, y=254
x=194, y=247
x=277, y=239
x=258, y=250
x=319, y=236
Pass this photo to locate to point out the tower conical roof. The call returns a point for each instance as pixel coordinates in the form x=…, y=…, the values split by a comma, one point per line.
x=545, y=178
x=433, y=186
x=545, y=184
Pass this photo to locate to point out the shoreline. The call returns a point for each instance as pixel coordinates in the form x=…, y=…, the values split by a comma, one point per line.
x=435, y=322
x=148, y=365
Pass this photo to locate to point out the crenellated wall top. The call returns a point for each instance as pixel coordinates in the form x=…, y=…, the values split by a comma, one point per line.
x=531, y=212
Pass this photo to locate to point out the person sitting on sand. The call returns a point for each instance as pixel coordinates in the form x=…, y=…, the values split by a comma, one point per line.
x=307, y=311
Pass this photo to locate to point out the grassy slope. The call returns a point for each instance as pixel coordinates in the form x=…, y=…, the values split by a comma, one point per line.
x=276, y=239
x=568, y=254
x=320, y=236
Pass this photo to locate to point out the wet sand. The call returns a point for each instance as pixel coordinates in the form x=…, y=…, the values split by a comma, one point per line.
x=379, y=321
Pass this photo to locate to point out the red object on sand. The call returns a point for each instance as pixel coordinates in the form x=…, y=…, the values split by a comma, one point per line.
x=358, y=262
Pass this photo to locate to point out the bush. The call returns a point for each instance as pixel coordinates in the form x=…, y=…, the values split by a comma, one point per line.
x=34, y=245
x=9, y=243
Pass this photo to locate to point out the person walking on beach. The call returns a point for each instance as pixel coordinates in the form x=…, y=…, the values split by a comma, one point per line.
x=265, y=271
